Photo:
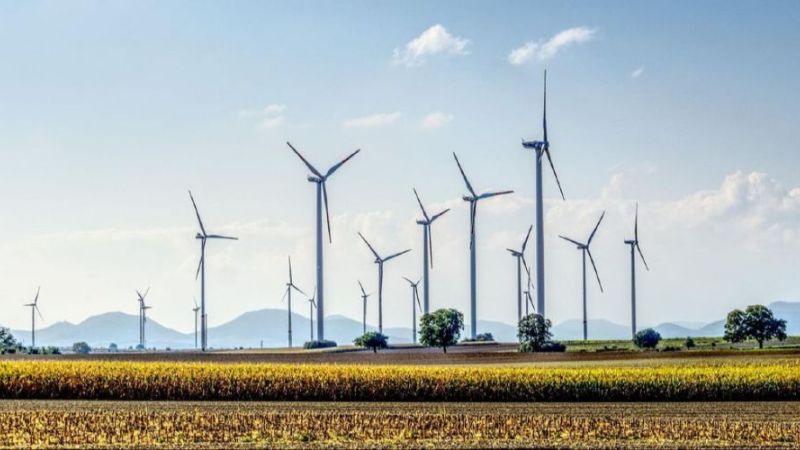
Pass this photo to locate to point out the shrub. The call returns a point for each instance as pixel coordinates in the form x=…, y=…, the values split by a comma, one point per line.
x=689, y=342
x=481, y=337
x=647, y=338
x=81, y=348
x=554, y=347
x=756, y=322
x=33, y=350
x=323, y=343
x=371, y=339
x=671, y=348
x=51, y=350
x=441, y=328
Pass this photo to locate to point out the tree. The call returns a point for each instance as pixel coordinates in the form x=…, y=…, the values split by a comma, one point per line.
x=534, y=333
x=373, y=340
x=756, y=322
x=81, y=348
x=441, y=328
x=647, y=338
x=113, y=348
x=7, y=341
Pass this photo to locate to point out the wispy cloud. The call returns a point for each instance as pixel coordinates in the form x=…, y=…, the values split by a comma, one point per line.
x=637, y=73
x=435, y=40
x=373, y=120
x=543, y=50
x=270, y=116
x=272, y=122
x=436, y=119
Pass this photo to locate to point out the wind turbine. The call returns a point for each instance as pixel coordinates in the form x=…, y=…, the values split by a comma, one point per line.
x=528, y=298
x=364, y=296
x=311, y=305
x=473, y=198
x=414, y=298
x=201, y=272
x=322, y=194
x=142, y=315
x=195, y=310
x=427, y=246
x=288, y=294
x=584, y=248
x=520, y=256
x=634, y=243
x=34, y=310
x=379, y=261
x=542, y=148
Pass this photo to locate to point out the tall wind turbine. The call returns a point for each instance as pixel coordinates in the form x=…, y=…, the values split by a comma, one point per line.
x=364, y=296
x=288, y=295
x=34, y=305
x=202, y=236
x=634, y=243
x=584, y=248
x=322, y=194
x=520, y=256
x=414, y=298
x=379, y=261
x=542, y=148
x=195, y=310
x=427, y=248
x=311, y=305
x=142, y=308
x=473, y=198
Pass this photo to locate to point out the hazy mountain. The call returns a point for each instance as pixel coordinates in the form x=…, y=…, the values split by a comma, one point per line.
x=268, y=326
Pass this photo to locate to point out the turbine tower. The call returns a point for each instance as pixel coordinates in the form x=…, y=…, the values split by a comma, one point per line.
x=34, y=305
x=542, y=148
x=427, y=251
x=520, y=256
x=311, y=305
x=634, y=244
x=364, y=296
x=195, y=310
x=414, y=298
x=322, y=195
x=140, y=298
x=379, y=261
x=473, y=198
x=584, y=248
x=288, y=295
x=202, y=236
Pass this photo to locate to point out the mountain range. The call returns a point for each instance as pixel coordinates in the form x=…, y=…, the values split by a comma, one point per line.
x=267, y=328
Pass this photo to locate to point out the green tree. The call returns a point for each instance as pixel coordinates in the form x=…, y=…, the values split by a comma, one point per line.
x=534, y=333
x=756, y=322
x=647, y=338
x=7, y=341
x=441, y=328
x=81, y=348
x=373, y=340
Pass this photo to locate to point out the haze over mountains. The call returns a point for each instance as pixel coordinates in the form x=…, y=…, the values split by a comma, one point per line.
x=267, y=327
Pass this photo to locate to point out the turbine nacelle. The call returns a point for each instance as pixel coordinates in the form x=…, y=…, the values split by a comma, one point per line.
x=539, y=146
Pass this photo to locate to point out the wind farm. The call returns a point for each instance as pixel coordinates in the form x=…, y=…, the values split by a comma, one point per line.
x=461, y=317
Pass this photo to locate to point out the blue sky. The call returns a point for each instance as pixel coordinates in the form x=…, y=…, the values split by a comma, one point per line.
x=109, y=111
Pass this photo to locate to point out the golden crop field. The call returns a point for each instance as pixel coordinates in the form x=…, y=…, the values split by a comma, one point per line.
x=94, y=424
x=92, y=380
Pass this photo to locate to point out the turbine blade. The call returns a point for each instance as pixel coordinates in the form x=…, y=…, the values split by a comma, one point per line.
x=200, y=263
x=377, y=256
x=36, y=299
x=544, y=113
x=416, y=296
x=642, y=256
x=460, y=169
x=38, y=312
x=145, y=293
x=493, y=194
x=290, y=270
x=424, y=213
x=336, y=166
x=473, y=214
x=636, y=224
x=595, y=270
x=436, y=216
x=527, y=236
x=591, y=236
x=396, y=255
x=285, y=294
x=363, y=292
x=409, y=281
x=297, y=289
x=571, y=240
x=550, y=160
x=327, y=214
x=305, y=161
x=199, y=220
x=219, y=236
x=430, y=240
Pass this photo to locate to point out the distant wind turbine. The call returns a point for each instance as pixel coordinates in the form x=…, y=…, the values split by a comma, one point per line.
x=202, y=236
x=288, y=295
x=584, y=248
x=34, y=305
x=311, y=305
x=414, y=299
x=634, y=244
x=364, y=296
x=322, y=193
x=379, y=261
x=142, y=316
x=195, y=310
x=542, y=148
x=520, y=256
x=427, y=247
x=473, y=198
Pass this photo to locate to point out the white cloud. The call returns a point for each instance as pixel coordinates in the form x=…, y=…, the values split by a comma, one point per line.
x=541, y=51
x=432, y=41
x=271, y=116
x=637, y=73
x=274, y=109
x=272, y=122
x=373, y=120
x=436, y=120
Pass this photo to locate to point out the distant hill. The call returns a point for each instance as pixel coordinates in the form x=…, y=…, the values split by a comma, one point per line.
x=268, y=326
